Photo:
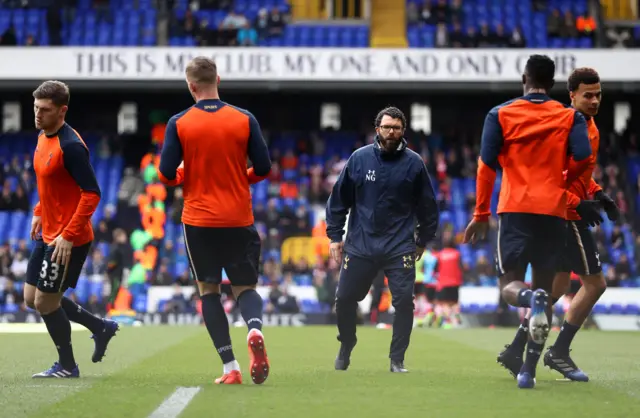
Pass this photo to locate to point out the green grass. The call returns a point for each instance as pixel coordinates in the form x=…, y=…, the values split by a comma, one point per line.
x=453, y=373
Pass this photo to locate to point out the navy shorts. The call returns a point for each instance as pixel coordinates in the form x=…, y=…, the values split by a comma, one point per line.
x=357, y=274
x=51, y=277
x=580, y=253
x=526, y=238
x=236, y=250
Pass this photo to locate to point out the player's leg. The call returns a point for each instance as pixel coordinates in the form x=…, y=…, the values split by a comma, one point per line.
x=586, y=262
x=430, y=293
x=453, y=298
x=243, y=275
x=442, y=309
x=356, y=277
x=34, y=266
x=515, y=235
x=550, y=241
x=207, y=271
x=376, y=295
x=401, y=274
x=511, y=357
x=53, y=281
x=420, y=302
x=103, y=330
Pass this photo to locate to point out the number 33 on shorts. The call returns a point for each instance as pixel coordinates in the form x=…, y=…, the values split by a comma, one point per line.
x=50, y=275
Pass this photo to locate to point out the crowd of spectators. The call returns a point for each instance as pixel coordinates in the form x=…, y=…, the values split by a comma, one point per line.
x=17, y=182
x=235, y=29
x=452, y=30
x=305, y=182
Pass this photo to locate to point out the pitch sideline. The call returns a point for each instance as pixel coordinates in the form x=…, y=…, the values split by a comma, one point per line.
x=37, y=328
x=173, y=406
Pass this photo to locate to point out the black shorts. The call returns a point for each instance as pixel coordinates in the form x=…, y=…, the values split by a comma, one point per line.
x=431, y=293
x=358, y=273
x=580, y=253
x=525, y=238
x=50, y=277
x=236, y=250
x=448, y=294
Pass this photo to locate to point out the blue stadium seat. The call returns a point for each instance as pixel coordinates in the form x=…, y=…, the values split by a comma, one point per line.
x=140, y=303
x=82, y=289
x=11, y=308
x=632, y=309
x=616, y=309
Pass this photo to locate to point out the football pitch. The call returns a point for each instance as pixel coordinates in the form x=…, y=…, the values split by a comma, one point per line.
x=159, y=371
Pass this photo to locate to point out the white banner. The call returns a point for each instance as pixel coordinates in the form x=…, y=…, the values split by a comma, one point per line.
x=468, y=295
x=307, y=64
x=617, y=322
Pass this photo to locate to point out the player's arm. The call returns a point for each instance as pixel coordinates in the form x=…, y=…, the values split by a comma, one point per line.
x=171, y=156
x=77, y=163
x=339, y=203
x=258, y=153
x=594, y=187
x=608, y=204
x=572, y=200
x=426, y=210
x=491, y=145
x=579, y=147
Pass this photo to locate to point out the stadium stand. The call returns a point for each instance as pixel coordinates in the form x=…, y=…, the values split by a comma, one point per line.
x=134, y=23
x=289, y=205
x=499, y=23
x=289, y=212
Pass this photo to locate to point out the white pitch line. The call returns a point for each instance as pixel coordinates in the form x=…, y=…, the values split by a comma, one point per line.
x=176, y=403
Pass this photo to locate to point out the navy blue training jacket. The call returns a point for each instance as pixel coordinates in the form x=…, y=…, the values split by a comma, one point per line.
x=390, y=201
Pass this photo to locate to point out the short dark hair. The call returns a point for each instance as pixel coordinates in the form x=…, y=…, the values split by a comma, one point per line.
x=56, y=91
x=392, y=112
x=540, y=71
x=583, y=75
x=202, y=70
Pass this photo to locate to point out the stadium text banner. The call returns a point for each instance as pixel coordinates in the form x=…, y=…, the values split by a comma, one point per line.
x=307, y=64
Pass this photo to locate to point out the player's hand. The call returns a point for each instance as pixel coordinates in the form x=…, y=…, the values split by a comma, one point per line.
x=335, y=249
x=62, y=253
x=589, y=211
x=609, y=205
x=419, y=252
x=36, y=226
x=476, y=231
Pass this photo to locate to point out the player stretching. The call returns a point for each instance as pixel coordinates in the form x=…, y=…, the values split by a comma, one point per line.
x=581, y=254
x=214, y=139
x=529, y=137
x=385, y=188
x=61, y=226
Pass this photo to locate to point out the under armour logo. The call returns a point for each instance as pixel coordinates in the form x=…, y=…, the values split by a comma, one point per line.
x=371, y=175
x=598, y=258
x=47, y=284
x=407, y=261
x=346, y=260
